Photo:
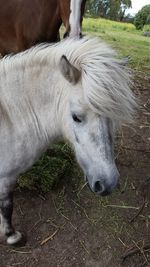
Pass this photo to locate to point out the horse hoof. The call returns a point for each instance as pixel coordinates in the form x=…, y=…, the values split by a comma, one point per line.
x=16, y=239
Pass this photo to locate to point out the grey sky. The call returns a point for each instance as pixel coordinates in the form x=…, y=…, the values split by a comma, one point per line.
x=137, y=5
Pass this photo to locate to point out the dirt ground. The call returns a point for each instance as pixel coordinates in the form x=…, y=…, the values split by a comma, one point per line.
x=71, y=227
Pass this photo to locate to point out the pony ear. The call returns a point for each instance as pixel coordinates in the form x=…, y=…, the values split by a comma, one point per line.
x=69, y=71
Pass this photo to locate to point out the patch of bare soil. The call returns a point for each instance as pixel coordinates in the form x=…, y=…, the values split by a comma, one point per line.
x=71, y=227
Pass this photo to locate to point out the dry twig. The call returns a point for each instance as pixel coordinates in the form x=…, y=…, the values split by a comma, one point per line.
x=136, y=149
x=48, y=238
x=135, y=250
x=139, y=212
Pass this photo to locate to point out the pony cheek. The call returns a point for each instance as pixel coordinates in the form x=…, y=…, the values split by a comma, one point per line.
x=82, y=159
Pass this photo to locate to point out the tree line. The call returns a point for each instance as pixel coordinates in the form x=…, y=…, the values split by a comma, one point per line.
x=111, y=9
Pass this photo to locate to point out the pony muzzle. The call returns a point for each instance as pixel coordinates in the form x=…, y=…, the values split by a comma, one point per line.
x=101, y=186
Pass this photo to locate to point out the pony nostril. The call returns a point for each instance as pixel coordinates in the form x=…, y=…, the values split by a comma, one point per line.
x=98, y=187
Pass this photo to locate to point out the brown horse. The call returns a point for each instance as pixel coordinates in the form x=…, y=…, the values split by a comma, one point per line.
x=26, y=23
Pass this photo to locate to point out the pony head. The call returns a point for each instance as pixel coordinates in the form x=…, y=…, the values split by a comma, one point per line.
x=99, y=100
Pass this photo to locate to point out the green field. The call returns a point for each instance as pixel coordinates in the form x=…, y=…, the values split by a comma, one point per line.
x=124, y=38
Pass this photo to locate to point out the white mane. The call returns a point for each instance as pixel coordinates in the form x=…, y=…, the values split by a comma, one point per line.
x=104, y=79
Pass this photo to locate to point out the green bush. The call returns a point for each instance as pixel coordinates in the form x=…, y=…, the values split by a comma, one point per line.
x=142, y=17
x=146, y=28
x=148, y=20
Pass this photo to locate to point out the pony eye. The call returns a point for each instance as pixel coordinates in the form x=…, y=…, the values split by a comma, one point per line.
x=76, y=118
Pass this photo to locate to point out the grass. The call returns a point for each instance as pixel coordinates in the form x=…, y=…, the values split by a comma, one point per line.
x=56, y=163
x=124, y=38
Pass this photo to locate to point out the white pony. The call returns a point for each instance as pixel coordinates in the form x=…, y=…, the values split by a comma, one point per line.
x=76, y=90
